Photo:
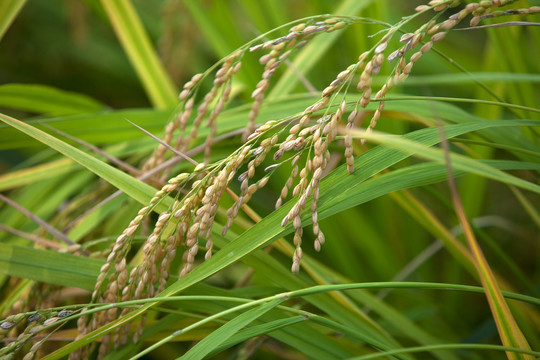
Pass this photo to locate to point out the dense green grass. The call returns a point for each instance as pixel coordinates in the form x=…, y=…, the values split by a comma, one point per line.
x=413, y=267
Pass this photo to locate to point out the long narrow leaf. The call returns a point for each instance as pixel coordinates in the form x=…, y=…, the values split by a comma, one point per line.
x=8, y=12
x=209, y=343
x=257, y=330
x=51, y=267
x=130, y=31
x=458, y=161
x=131, y=186
x=36, y=173
x=47, y=100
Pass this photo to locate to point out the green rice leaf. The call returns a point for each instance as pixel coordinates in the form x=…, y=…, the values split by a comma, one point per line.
x=210, y=342
x=46, y=100
x=9, y=9
x=134, y=188
x=51, y=267
x=136, y=43
x=459, y=162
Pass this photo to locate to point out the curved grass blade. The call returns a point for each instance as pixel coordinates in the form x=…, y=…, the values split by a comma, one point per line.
x=509, y=331
x=216, y=338
x=134, y=188
x=9, y=9
x=459, y=162
x=51, y=267
x=257, y=330
x=47, y=100
x=37, y=173
x=225, y=331
x=91, y=127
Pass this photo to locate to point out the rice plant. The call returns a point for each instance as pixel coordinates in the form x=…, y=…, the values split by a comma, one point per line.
x=348, y=180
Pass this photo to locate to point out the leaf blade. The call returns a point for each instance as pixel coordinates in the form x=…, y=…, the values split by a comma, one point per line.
x=216, y=338
x=136, y=189
x=9, y=9
x=130, y=31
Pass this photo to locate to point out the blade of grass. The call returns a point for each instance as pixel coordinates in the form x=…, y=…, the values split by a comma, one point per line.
x=459, y=161
x=210, y=342
x=130, y=31
x=308, y=338
x=121, y=164
x=47, y=100
x=223, y=332
x=513, y=149
x=303, y=336
x=91, y=127
x=36, y=173
x=49, y=266
x=9, y=9
x=129, y=185
x=258, y=330
x=529, y=208
x=464, y=100
x=507, y=326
